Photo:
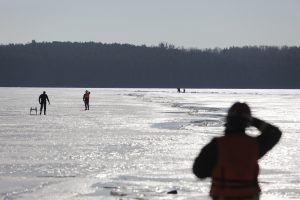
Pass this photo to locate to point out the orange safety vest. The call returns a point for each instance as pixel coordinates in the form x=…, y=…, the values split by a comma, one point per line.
x=86, y=95
x=236, y=171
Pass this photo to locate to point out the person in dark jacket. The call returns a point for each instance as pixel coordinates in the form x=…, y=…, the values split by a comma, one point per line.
x=43, y=100
x=232, y=160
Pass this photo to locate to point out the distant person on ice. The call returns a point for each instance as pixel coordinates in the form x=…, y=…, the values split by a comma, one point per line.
x=43, y=100
x=232, y=160
x=86, y=99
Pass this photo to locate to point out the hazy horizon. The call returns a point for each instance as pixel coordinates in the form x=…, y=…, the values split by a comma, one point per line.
x=189, y=24
x=154, y=45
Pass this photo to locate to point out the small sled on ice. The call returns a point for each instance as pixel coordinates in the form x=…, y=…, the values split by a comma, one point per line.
x=33, y=109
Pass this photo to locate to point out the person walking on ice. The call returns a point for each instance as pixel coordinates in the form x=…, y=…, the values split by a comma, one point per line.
x=232, y=160
x=43, y=101
x=86, y=99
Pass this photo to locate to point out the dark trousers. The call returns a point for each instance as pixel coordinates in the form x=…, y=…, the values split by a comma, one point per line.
x=43, y=105
x=86, y=104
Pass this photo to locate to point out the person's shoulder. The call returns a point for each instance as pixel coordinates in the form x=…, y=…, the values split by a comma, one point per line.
x=215, y=139
x=213, y=142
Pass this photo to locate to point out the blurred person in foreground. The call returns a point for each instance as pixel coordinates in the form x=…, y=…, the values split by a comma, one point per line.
x=232, y=160
x=43, y=98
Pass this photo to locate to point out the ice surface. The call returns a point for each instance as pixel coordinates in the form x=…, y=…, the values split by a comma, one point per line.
x=133, y=143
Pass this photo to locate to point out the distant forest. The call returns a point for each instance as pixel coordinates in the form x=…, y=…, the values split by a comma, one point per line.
x=90, y=64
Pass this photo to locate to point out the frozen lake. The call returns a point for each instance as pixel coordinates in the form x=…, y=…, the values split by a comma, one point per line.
x=133, y=143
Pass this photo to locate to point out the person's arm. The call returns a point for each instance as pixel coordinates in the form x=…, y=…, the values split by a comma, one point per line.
x=40, y=99
x=48, y=99
x=206, y=160
x=269, y=136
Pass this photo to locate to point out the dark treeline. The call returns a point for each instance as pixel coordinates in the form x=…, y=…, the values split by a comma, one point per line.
x=67, y=64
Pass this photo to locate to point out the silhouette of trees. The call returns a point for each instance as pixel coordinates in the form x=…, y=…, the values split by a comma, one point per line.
x=90, y=64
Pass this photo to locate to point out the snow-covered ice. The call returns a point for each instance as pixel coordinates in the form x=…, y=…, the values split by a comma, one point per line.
x=133, y=143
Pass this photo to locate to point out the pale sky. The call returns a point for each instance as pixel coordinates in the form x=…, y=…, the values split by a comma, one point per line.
x=184, y=23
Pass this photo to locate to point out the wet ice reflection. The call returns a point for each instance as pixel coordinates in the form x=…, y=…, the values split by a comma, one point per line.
x=133, y=143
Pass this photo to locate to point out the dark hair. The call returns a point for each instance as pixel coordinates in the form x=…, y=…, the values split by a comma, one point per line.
x=238, y=117
x=239, y=110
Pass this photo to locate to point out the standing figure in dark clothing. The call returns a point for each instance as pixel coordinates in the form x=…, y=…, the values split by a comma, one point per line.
x=43, y=100
x=86, y=99
x=232, y=160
